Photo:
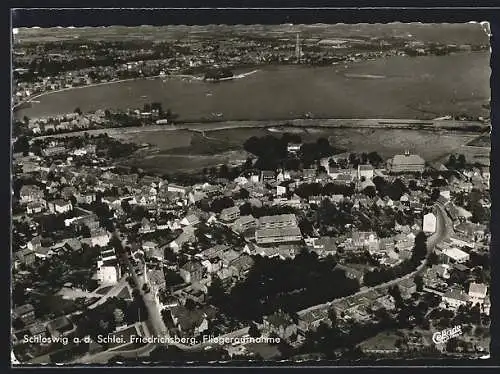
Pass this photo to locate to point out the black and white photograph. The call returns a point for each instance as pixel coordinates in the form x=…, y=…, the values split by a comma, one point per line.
x=265, y=193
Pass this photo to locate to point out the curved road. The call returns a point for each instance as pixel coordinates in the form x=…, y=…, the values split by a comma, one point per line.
x=444, y=229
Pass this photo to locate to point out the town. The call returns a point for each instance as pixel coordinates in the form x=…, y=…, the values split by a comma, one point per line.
x=332, y=254
x=41, y=68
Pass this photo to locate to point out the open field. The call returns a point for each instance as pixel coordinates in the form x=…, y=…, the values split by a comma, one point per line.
x=166, y=163
x=482, y=141
x=444, y=33
x=199, y=154
x=419, y=88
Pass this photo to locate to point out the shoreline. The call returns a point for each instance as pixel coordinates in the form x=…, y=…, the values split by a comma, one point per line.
x=440, y=126
x=181, y=76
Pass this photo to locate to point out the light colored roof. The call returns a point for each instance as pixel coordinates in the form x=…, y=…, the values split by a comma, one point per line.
x=407, y=160
x=478, y=289
x=456, y=294
x=277, y=219
x=230, y=210
x=455, y=253
x=275, y=232
x=365, y=167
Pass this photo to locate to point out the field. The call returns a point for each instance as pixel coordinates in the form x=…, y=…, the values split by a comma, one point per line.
x=193, y=155
x=163, y=140
x=419, y=88
x=482, y=141
x=165, y=163
x=383, y=340
x=443, y=33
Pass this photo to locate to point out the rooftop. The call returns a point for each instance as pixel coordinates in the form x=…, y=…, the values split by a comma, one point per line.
x=278, y=232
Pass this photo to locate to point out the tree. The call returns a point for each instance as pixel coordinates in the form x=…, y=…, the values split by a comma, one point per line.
x=126, y=206
x=253, y=331
x=244, y=194
x=419, y=282
x=452, y=345
x=420, y=247
x=190, y=304
x=85, y=231
x=119, y=316
x=479, y=213
x=374, y=159
x=461, y=161
x=452, y=161
x=21, y=145
x=104, y=325
x=395, y=292
x=332, y=315
x=370, y=191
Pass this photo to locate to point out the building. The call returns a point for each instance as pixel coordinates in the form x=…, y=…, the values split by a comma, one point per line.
x=267, y=176
x=453, y=299
x=29, y=193
x=477, y=293
x=278, y=235
x=35, y=207
x=406, y=163
x=278, y=221
x=190, y=220
x=310, y=319
x=244, y=223
x=25, y=313
x=365, y=240
x=281, y=324
x=407, y=287
x=108, y=269
x=26, y=256
x=192, y=271
x=60, y=206
x=365, y=171
x=455, y=255
x=99, y=237
x=429, y=223
x=60, y=326
x=177, y=189
x=293, y=148
x=230, y=214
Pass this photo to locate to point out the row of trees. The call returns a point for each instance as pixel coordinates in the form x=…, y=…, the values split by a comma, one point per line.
x=272, y=151
x=289, y=285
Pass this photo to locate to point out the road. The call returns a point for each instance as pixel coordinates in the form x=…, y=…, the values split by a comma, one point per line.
x=155, y=321
x=444, y=228
x=369, y=123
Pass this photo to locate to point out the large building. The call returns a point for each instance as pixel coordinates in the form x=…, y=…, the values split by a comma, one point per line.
x=406, y=163
x=282, y=220
x=230, y=214
x=429, y=224
x=278, y=235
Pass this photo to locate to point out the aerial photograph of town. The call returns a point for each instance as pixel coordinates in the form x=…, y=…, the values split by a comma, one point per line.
x=281, y=193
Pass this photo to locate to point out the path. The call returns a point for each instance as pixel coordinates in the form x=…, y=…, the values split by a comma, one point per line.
x=368, y=123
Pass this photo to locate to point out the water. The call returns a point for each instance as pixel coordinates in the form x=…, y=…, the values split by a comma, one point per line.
x=422, y=87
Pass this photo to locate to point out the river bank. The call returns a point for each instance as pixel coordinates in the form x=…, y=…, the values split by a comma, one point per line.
x=418, y=88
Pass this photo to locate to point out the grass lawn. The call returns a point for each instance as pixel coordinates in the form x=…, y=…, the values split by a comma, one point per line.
x=482, y=141
x=383, y=340
x=124, y=293
x=266, y=351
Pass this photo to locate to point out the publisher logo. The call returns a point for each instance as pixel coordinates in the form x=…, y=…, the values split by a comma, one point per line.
x=442, y=337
